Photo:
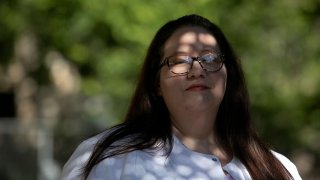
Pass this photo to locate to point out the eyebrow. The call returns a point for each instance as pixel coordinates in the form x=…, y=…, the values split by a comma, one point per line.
x=200, y=53
x=210, y=49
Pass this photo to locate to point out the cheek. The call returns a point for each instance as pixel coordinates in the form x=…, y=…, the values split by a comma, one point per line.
x=220, y=88
x=164, y=82
x=169, y=87
x=220, y=82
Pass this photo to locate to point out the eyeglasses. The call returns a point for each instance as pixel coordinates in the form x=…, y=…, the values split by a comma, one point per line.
x=181, y=64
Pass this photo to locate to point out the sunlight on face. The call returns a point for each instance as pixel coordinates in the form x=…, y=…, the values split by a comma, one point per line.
x=198, y=90
x=190, y=40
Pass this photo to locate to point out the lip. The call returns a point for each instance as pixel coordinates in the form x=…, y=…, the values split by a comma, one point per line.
x=197, y=87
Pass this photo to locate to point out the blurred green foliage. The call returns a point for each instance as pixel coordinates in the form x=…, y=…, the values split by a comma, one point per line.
x=278, y=42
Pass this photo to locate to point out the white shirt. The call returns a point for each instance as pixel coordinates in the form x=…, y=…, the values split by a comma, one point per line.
x=182, y=163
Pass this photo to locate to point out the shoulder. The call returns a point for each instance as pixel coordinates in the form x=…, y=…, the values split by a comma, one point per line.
x=288, y=165
x=73, y=167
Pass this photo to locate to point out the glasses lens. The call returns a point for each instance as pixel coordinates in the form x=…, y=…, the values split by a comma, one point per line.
x=211, y=62
x=179, y=64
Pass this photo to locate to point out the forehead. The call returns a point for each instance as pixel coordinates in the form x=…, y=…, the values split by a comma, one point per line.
x=190, y=40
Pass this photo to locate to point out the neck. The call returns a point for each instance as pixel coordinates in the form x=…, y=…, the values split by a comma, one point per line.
x=199, y=142
x=195, y=125
x=198, y=135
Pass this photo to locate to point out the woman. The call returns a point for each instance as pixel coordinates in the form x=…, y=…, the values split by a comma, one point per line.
x=188, y=119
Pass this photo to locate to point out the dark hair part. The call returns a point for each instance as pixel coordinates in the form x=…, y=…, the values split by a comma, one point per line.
x=147, y=121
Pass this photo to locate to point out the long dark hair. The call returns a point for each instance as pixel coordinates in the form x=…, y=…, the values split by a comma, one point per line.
x=147, y=121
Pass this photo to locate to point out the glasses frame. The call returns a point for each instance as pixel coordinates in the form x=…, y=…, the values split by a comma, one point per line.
x=166, y=62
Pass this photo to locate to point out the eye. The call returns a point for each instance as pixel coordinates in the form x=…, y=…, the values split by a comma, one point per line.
x=179, y=59
x=209, y=58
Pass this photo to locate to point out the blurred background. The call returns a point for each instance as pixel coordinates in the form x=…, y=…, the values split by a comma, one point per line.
x=68, y=69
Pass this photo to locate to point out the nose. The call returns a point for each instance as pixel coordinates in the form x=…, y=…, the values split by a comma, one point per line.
x=196, y=70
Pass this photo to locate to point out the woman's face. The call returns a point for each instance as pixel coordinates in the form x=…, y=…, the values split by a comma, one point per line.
x=198, y=90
